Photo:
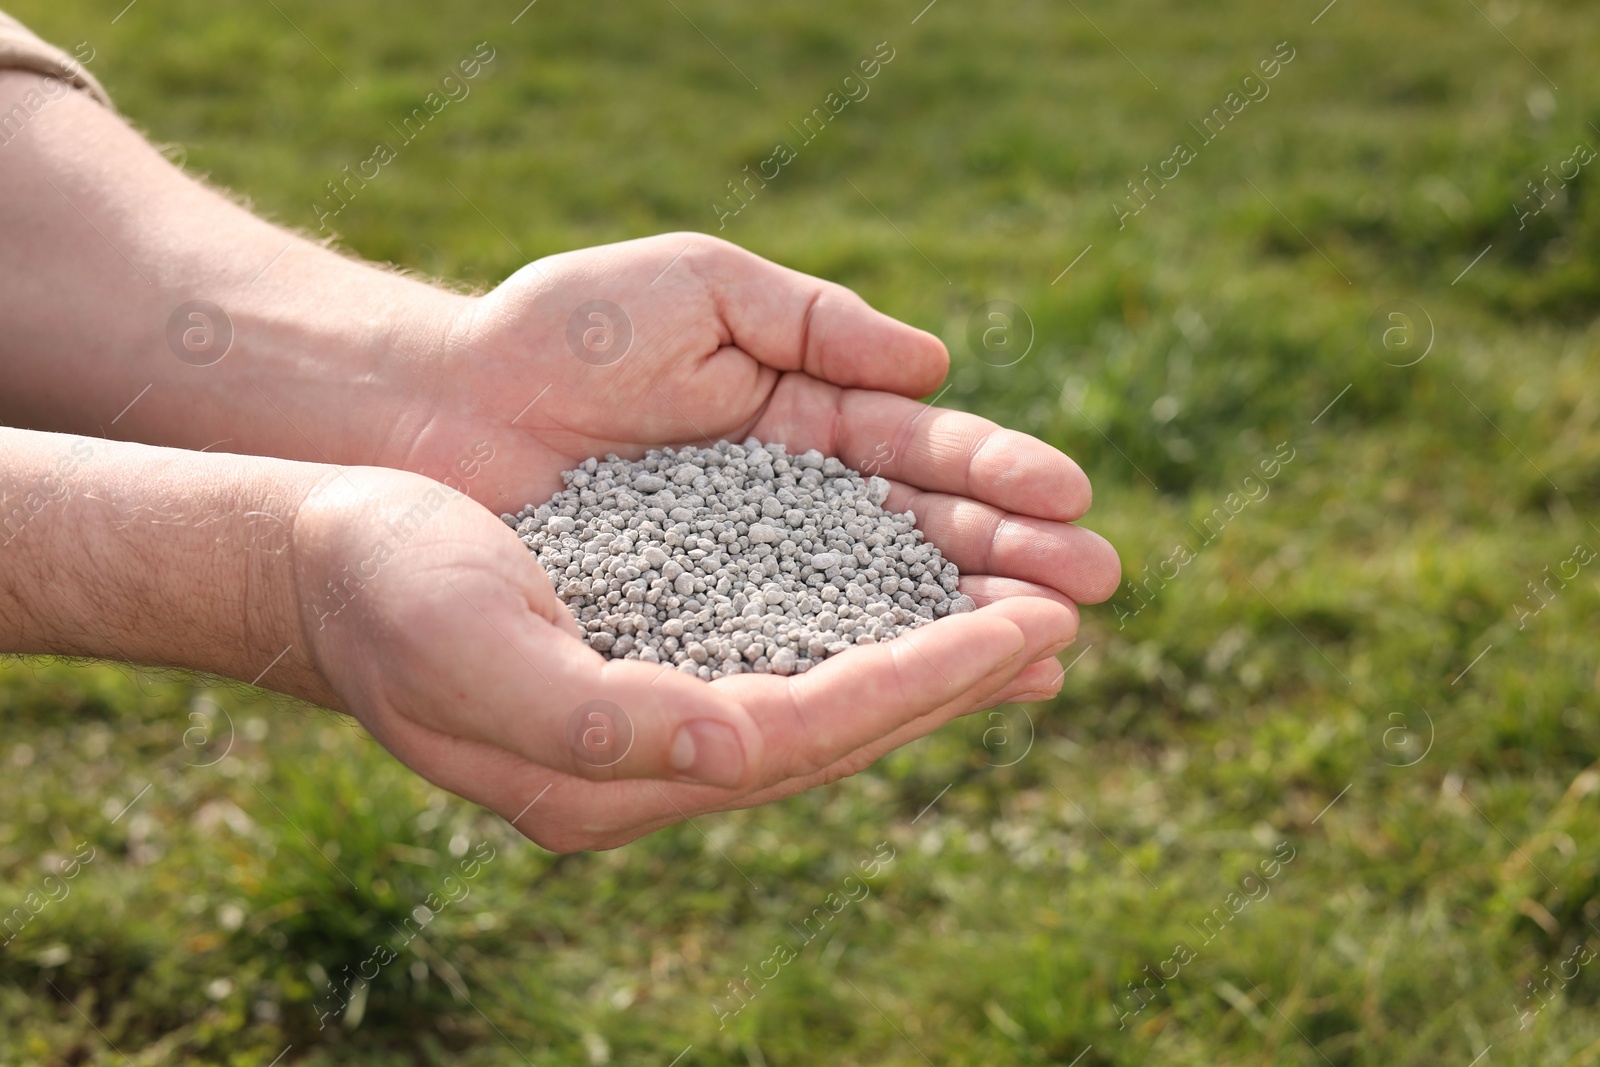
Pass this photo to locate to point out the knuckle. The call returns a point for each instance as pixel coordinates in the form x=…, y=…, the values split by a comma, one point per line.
x=848, y=767
x=706, y=245
x=560, y=840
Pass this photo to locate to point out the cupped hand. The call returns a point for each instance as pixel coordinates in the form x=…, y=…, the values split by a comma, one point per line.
x=677, y=339
x=684, y=338
x=436, y=627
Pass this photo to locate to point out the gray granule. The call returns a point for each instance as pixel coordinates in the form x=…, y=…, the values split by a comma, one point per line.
x=735, y=558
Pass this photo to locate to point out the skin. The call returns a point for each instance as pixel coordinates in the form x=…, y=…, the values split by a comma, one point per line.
x=278, y=513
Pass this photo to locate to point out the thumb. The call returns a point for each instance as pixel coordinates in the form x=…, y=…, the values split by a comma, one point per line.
x=794, y=322
x=543, y=694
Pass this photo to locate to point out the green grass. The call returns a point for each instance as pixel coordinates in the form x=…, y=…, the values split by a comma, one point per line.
x=1245, y=707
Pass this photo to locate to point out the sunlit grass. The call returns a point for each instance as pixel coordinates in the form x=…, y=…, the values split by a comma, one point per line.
x=1442, y=860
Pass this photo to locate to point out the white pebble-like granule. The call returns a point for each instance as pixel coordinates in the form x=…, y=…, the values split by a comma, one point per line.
x=735, y=558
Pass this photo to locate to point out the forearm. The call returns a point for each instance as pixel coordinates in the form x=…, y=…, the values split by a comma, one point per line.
x=105, y=241
x=153, y=555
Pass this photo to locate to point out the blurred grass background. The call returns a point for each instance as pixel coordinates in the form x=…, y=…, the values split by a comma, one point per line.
x=1297, y=686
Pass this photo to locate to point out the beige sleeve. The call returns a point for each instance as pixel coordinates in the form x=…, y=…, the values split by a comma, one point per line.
x=21, y=50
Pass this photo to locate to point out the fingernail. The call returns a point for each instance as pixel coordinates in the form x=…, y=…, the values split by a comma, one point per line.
x=708, y=752
x=1062, y=646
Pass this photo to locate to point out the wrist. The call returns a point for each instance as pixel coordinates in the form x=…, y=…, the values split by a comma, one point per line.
x=329, y=362
x=332, y=364
x=297, y=351
x=153, y=556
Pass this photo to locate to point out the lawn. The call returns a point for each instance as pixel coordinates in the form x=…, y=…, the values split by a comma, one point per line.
x=1309, y=291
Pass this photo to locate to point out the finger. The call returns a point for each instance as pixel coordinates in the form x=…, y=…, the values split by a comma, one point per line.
x=519, y=791
x=931, y=448
x=985, y=589
x=574, y=814
x=633, y=809
x=544, y=695
x=1041, y=681
x=853, y=699
x=981, y=539
x=553, y=810
x=793, y=322
x=556, y=811
x=1027, y=686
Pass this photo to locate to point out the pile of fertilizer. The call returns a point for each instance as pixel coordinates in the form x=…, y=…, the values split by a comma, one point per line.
x=735, y=558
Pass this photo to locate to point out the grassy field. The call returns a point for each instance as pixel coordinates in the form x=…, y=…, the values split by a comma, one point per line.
x=1323, y=786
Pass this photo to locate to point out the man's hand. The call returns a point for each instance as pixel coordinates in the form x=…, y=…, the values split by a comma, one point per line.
x=466, y=665
x=725, y=344
x=433, y=624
